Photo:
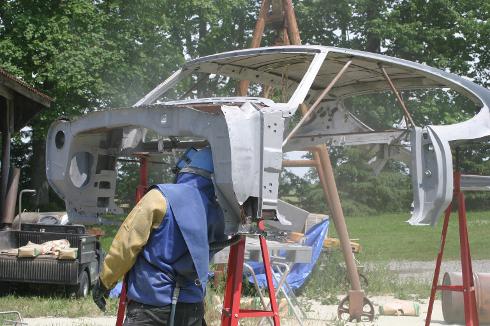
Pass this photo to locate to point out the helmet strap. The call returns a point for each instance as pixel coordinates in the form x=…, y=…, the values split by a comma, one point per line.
x=201, y=172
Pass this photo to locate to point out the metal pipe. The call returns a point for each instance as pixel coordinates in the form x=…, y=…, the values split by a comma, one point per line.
x=317, y=102
x=32, y=191
x=327, y=181
x=298, y=163
x=338, y=218
x=356, y=295
x=408, y=117
x=9, y=209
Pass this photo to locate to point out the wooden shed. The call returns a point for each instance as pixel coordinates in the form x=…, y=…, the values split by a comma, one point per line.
x=19, y=102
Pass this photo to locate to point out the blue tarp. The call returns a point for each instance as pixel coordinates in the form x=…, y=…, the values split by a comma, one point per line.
x=299, y=272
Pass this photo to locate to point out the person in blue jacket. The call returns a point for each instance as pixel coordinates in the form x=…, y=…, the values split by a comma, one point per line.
x=163, y=246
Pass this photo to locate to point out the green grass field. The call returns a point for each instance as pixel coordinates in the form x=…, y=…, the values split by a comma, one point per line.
x=383, y=238
x=389, y=237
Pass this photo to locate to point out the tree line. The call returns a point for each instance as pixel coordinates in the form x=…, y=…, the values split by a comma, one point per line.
x=95, y=54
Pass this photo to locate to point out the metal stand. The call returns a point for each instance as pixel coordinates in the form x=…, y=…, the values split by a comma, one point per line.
x=280, y=14
x=468, y=289
x=140, y=192
x=232, y=313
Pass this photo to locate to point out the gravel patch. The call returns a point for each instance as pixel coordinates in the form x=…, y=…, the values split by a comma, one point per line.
x=424, y=270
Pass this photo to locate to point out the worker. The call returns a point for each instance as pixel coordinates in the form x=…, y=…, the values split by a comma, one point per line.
x=163, y=245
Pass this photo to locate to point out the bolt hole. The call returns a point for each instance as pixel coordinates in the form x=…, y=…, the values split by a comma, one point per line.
x=59, y=139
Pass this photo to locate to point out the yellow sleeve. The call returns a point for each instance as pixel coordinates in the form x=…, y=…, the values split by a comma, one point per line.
x=132, y=236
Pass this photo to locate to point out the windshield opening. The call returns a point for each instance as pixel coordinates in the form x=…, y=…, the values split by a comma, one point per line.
x=275, y=76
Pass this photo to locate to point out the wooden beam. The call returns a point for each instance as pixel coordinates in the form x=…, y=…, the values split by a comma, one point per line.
x=6, y=92
x=6, y=138
x=292, y=24
x=256, y=39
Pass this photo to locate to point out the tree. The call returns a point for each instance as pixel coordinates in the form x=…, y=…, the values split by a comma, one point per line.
x=59, y=47
x=90, y=55
x=415, y=30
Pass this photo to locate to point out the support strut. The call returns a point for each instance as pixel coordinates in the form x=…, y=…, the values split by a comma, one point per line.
x=468, y=287
x=321, y=160
x=140, y=192
x=232, y=313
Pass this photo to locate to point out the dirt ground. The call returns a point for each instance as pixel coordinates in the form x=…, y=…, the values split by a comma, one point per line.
x=318, y=314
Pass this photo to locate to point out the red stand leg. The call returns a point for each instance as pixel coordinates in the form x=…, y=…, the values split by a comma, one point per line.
x=231, y=305
x=270, y=283
x=437, y=271
x=143, y=185
x=121, y=308
x=468, y=288
x=140, y=192
x=470, y=310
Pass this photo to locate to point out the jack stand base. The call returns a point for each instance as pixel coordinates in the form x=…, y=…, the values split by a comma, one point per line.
x=232, y=312
x=356, y=306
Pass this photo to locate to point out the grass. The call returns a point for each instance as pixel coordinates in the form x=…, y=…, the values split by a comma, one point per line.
x=388, y=237
x=383, y=238
x=329, y=280
x=110, y=233
x=54, y=306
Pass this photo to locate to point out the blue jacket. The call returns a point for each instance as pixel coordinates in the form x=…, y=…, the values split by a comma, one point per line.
x=179, y=248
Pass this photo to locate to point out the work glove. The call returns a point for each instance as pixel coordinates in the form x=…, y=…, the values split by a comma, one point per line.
x=99, y=294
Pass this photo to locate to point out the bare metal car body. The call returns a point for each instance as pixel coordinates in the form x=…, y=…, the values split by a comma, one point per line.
x=246, y=134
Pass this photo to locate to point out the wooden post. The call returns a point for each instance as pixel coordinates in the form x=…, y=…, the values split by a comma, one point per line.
x=292, y=25
x=7, y=129
x=256, y=39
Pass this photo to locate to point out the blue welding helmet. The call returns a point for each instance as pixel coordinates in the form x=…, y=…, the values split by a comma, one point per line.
x=194, y=160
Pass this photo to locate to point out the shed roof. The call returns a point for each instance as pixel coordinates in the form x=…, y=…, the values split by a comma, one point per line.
x=27, y=100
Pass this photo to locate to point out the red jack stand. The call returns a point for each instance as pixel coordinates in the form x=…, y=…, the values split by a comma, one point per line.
x=231, y=306
x=140, y=192
x=468, y=288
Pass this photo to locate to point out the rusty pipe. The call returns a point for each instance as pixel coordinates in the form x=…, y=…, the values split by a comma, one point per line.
x=338, y=218
x=356, y=295
x=315, y=105
x=327, y=181
x=298, y=163
x=9, y=209
x=408, y=116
